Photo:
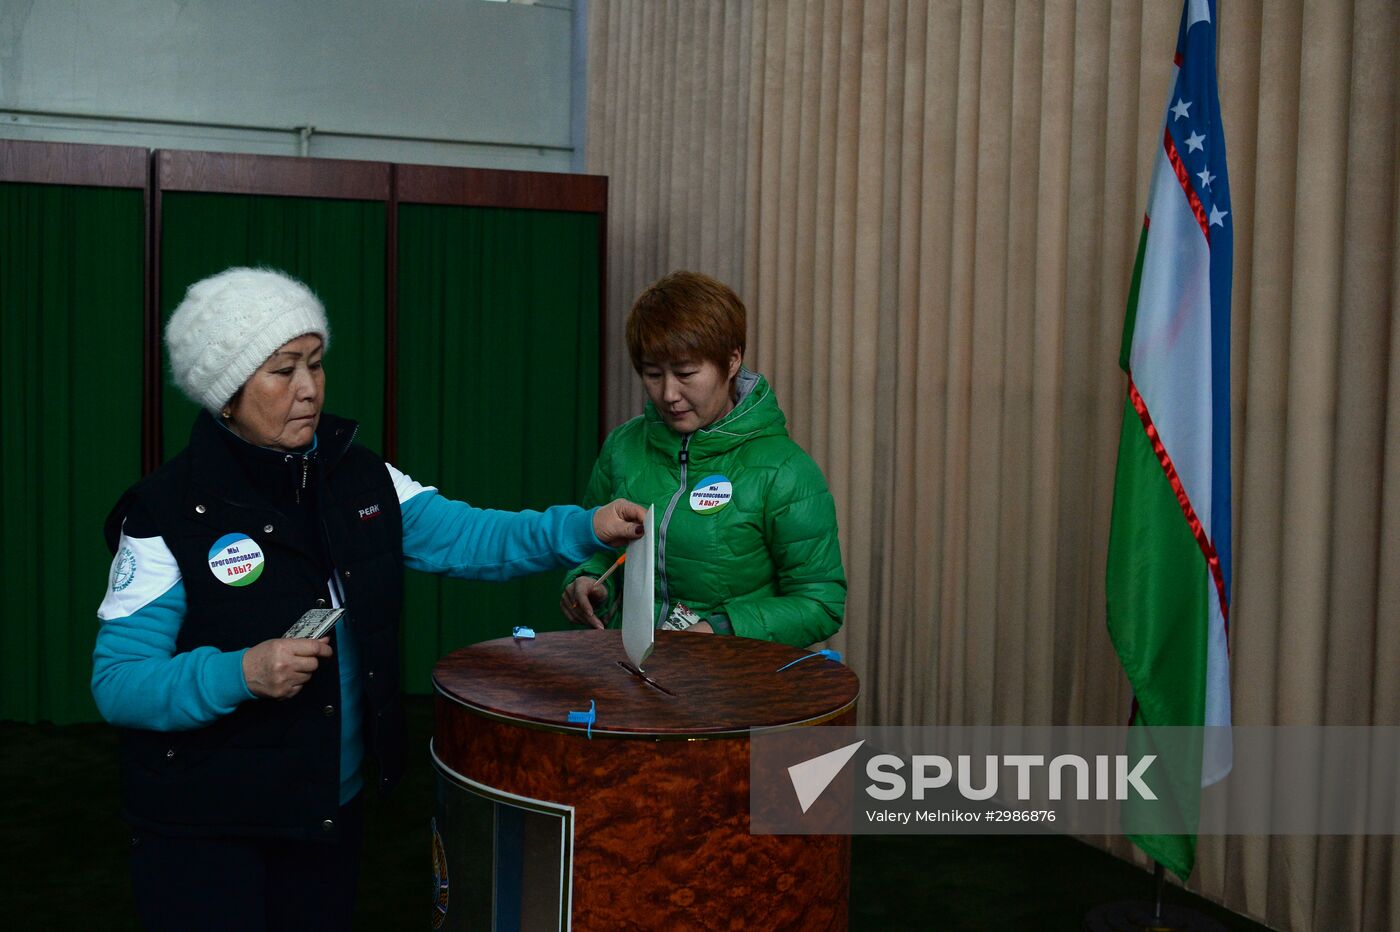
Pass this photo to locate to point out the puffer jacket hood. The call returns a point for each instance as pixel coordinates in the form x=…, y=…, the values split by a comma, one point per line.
x=755, y=414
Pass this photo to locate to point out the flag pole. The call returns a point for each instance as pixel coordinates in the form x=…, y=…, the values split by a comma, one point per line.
x=1154, y=916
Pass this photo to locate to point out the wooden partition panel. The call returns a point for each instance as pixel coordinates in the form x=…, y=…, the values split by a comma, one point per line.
x=69, y=164
x=499, y=302
x=287, y=176
x=480, y=187
x=73, y=308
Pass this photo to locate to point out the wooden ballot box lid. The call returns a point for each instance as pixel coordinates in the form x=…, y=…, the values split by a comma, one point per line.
x=713, y=685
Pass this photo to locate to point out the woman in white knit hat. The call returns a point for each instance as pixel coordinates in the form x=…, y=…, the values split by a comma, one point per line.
x=242, y=750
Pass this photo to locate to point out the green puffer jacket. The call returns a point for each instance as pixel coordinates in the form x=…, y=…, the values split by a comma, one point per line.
x=768, y=558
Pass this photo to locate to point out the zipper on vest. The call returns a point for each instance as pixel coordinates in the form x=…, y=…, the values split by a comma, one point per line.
x=684, y=457
x=296, y=492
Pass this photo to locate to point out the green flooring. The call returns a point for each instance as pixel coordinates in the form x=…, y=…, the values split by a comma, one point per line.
x=63, y=855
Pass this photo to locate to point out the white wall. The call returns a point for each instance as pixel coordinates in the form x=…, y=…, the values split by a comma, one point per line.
x=454, y=82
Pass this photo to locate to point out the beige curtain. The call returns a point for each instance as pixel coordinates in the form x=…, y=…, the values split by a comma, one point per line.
x=931, y=209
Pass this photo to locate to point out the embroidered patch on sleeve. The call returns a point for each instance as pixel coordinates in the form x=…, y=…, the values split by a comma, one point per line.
x=143, y=570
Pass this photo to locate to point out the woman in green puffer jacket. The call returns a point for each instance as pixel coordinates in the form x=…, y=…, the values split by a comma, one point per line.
x=745, y=526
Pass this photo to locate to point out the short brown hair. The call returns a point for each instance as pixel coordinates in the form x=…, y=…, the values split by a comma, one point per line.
x=686, y=315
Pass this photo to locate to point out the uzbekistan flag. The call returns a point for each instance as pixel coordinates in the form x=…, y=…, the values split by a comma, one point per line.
x=1169, y=546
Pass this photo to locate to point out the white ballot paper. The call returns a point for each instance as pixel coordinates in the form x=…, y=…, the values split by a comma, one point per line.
x=639, y=594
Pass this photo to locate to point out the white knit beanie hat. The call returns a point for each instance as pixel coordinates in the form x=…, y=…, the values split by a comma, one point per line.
x=230, y=323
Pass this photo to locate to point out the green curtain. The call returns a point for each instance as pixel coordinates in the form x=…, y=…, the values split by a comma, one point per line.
x=337, y=247
x=71, y=298
x=498, y=394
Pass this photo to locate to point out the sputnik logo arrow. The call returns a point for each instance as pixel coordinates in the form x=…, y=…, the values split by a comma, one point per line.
x=811, y=777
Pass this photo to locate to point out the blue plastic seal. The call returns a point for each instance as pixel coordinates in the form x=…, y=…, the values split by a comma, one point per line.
x=828, y=654
x=520, y=631
x=589, y=717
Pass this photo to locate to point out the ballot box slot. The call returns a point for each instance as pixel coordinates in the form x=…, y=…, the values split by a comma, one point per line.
x=633, y=671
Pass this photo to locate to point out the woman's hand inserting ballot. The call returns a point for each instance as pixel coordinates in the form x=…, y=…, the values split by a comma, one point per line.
x=579, y=600
x=619, y=522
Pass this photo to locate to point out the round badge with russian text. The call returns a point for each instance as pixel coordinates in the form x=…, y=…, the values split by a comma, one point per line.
x=710, y=495
x=236, y=560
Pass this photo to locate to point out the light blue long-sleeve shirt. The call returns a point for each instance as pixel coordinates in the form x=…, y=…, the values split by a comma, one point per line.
x=140, y=681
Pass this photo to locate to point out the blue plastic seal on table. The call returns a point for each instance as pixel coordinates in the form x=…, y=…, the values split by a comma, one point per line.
x=589, y=717
x=520, y=631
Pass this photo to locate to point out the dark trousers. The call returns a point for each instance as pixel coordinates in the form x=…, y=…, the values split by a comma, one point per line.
x=248, y=884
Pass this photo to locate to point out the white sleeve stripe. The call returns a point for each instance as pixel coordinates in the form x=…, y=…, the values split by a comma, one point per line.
x=404, y=486
x=143, y=570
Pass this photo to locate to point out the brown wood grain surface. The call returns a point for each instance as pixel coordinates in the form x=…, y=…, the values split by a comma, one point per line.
x=720, y=684
x=284, y=175
x=485, y=187
x=71, y=163
x=661, y=828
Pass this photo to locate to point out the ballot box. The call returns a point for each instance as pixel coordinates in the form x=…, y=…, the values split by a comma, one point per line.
x=637, y=819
